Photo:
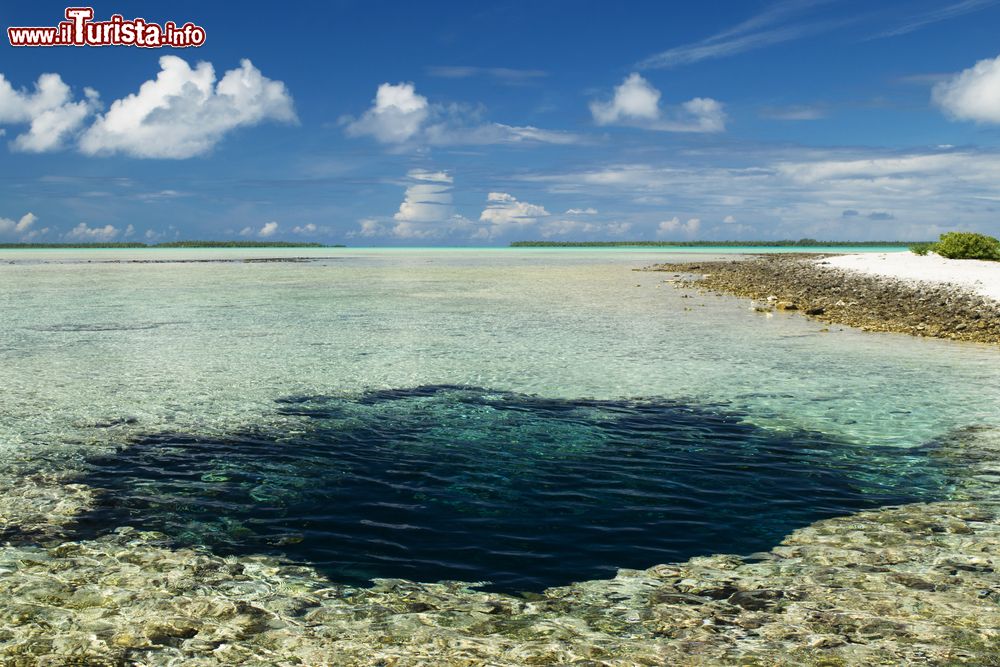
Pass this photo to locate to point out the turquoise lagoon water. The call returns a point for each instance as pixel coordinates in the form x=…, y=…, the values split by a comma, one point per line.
x=525, y=417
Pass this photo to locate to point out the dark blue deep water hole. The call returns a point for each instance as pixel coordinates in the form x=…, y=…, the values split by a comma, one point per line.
x=447, y=482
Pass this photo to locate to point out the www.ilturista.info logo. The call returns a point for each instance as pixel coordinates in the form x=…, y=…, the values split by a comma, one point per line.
x=79, y=29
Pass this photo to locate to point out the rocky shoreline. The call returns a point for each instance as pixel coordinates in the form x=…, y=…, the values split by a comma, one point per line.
x=795, y=282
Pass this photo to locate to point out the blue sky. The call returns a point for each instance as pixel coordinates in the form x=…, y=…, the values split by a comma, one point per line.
x=457, y=123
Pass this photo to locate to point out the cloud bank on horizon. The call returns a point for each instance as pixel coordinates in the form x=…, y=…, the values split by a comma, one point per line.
x=757, y=130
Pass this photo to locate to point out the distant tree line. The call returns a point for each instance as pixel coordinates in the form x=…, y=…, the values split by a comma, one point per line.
x=805, y=243
x=72, y=245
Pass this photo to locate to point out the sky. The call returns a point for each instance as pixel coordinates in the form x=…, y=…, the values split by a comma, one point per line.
x=463, y=123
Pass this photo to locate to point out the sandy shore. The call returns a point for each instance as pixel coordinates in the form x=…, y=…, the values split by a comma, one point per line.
x=975, y=275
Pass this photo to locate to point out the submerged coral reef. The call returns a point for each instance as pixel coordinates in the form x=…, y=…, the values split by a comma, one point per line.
x=912, y=584
x=916, y=584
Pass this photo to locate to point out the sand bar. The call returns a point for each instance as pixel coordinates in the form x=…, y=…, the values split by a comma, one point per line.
x=979, y=276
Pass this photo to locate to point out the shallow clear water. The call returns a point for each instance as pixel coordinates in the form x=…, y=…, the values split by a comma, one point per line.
x=447, y=482
x=177, y=366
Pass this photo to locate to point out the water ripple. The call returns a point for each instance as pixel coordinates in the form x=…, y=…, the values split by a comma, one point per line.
x=451, y=482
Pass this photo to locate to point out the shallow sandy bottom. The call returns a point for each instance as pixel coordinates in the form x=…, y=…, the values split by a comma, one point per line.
x=979, y=276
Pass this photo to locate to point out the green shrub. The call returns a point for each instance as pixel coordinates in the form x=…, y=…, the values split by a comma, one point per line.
x=967, y=245
x=921, y=248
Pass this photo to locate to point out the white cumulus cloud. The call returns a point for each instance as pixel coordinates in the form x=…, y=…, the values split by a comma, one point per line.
x=637, y=103
x=24, y=224
x=428, y=199
x=49, y=110
x=504, y=209
x=675, y=225
x=83, y=232
x=504, y=212
x=399, y=116
x=425, y=212
x=396, y=115
x=23, y=229
x=580, y=227
x=266, y=230
x=369, y=227
x=414, y=230
x=973, y=94
x=184, y=112
x=634, y=99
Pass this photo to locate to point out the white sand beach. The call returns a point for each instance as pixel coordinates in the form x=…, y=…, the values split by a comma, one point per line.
x=979, y=276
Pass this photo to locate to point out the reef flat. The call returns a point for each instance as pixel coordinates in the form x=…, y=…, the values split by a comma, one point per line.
x=912, y=584
x=869, y=302
x=916, y=584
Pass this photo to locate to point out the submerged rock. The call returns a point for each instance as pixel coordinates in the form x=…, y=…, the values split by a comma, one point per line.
x=916, y=584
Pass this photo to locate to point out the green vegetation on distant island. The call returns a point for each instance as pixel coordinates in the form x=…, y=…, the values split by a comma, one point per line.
x=174, y=244
x=6, y=246
x=961, y=245
x=805, y=243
